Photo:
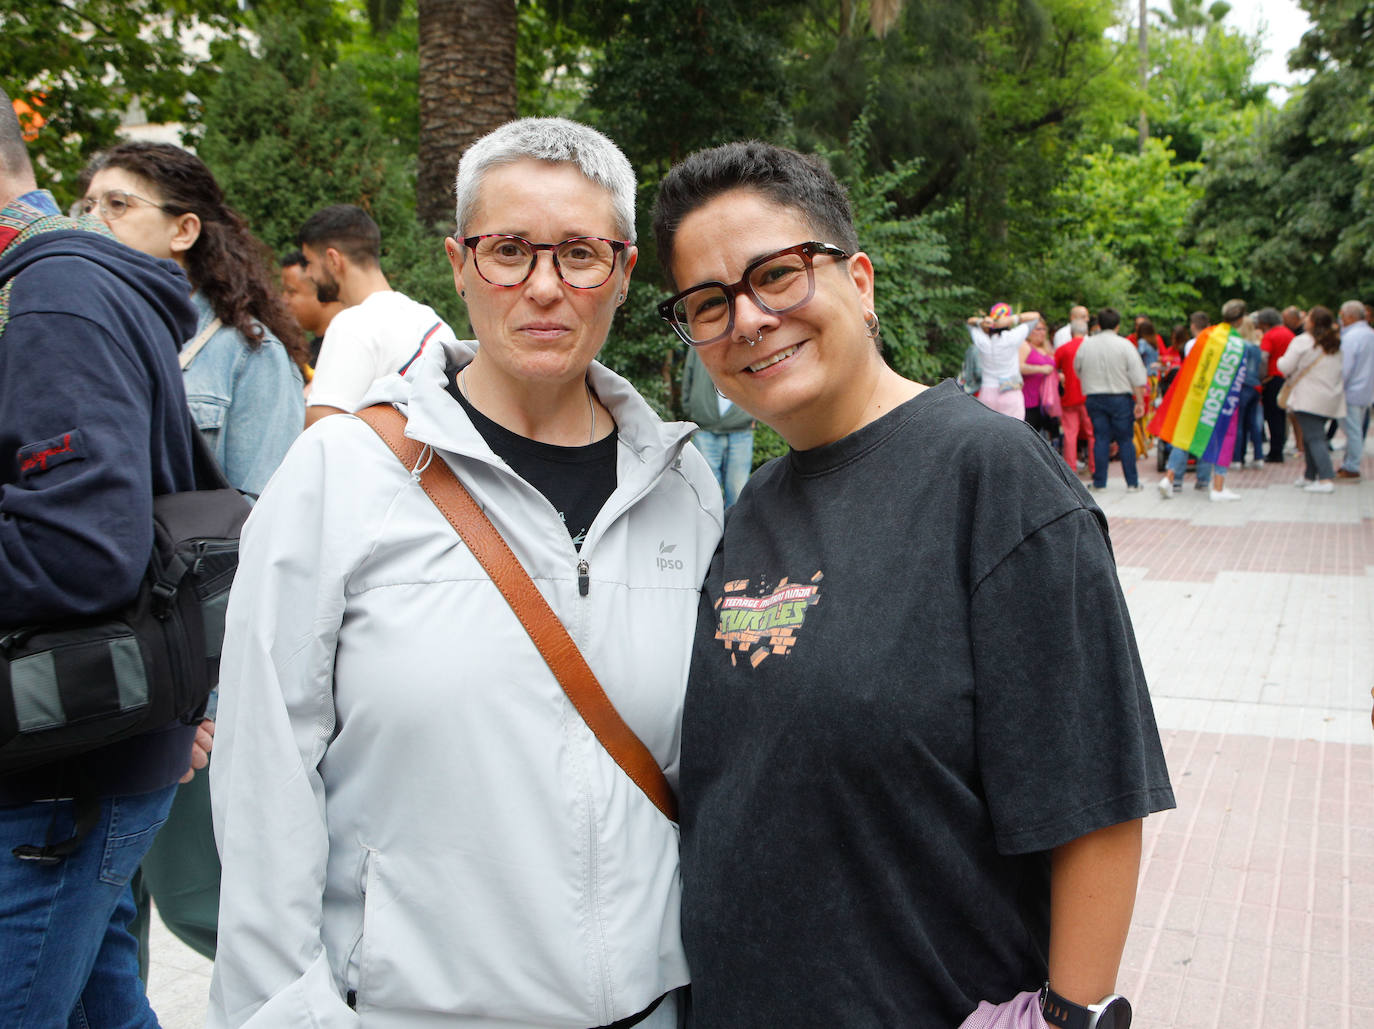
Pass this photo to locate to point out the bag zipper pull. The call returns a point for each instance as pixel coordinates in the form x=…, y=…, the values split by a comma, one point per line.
x=584, y=582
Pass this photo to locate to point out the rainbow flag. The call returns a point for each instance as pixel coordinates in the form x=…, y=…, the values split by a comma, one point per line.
x=1199, y=411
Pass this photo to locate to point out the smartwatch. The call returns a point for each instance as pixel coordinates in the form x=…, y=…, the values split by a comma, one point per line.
x=1111, y=1012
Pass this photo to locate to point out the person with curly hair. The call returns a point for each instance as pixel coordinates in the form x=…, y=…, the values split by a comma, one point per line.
x=242, y=368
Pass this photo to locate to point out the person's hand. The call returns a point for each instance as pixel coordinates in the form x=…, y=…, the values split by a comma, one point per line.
x=200, y=749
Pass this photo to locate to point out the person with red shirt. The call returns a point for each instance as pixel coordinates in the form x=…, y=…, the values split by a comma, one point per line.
x=1278, y=333
x=1073, y=415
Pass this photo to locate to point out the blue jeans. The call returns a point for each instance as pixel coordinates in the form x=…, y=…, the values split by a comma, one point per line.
x=731, y=457
x=1178, y=464
x=1113, y=416
x=1355, y=415
x=1249, y=425
x=66, y=955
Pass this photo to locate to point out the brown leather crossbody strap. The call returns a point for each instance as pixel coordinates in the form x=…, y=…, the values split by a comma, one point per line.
x=559, y=651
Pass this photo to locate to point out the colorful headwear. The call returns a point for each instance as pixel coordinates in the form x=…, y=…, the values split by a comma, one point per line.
x=1000, y=310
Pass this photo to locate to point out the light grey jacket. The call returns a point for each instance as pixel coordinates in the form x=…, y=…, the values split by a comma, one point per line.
x=407, y=806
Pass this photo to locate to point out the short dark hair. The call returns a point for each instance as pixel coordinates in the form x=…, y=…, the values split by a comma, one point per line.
x=1199, y=320
x=1108, y=319
x=801, y=182
x=294, y=258
x=1268, y=316
x=348, y=229
x=14, y=155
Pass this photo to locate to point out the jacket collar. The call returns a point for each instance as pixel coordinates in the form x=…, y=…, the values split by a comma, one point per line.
x=436, y=419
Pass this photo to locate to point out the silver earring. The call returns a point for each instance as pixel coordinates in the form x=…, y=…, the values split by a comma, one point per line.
x=871, y=323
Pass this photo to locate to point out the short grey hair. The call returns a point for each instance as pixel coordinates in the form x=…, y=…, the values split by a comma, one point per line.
x=1354, y=310
x=1268, y=316
x=1232, y=311
x=558, y=141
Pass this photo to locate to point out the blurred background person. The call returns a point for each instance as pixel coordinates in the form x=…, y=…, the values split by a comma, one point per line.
x=1313, y=363
x=1276, y=334
x=1041, y=382
x=725, y=432
x=302, y=296
x=998, y=335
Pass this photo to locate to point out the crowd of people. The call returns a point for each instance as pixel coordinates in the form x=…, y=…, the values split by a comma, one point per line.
x=1093, y=387
x=514, y=727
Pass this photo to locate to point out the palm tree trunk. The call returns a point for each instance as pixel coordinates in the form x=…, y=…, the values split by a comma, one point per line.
x=467, y=88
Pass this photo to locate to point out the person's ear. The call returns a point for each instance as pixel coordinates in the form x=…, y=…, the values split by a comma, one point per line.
x=631, y=257
x=861, y=272
x=457, y=257
x=334, y=262
x=186, y=230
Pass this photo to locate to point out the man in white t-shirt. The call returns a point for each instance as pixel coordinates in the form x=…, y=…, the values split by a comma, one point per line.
x=1078, y=326
x=379, y=331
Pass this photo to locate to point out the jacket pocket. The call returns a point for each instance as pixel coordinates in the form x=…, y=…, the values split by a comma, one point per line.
x=209, y=412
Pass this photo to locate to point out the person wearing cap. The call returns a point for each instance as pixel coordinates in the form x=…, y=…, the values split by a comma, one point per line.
x=998, y=336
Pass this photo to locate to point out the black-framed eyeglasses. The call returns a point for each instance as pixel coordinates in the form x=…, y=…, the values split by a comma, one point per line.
x=583, y=262
x=114, y=203
x=779, y=283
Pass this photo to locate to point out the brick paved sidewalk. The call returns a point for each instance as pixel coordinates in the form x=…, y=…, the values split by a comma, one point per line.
x=1256, y=625
x=1255, y=621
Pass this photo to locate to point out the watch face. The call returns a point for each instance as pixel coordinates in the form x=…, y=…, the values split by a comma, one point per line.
x=1116, y=1015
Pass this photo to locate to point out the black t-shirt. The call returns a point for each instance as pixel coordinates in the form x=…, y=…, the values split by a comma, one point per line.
x=577, y=481
x=914, y=674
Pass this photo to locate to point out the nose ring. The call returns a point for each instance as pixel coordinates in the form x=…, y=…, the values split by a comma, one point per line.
x=758, y=340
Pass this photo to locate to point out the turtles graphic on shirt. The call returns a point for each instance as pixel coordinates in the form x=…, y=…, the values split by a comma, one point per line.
x=759, y=619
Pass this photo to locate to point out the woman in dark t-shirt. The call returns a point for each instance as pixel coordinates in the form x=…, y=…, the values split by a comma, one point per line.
x=886, y=819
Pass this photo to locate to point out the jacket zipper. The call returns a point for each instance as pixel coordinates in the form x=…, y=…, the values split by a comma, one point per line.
x=354, y=979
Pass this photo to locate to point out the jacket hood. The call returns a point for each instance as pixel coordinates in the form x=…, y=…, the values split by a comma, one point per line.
x=423, y=397
x=160, y=282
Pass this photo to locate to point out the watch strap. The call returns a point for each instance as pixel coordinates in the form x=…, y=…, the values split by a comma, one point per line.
x=1062, y=1013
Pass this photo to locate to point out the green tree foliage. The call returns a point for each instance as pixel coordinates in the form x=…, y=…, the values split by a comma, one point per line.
x=1287, y=205
x=670, y=80
x=1134, y=207
x=1201, y=88
x=81, y=63
x=287, y=135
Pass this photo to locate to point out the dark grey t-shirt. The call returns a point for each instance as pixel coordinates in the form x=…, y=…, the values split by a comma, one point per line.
x=914, y=674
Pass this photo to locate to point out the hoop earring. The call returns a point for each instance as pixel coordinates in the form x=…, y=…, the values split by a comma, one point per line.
x=871, y=323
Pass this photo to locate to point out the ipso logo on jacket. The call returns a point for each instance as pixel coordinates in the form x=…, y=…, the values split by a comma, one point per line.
x=665, y=561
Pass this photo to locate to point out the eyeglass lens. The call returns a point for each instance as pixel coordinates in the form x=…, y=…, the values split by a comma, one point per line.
x=112, y=203
x=778, y=285
x=584, y=262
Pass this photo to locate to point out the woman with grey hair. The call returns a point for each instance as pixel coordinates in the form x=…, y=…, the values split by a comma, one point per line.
x=417, y=825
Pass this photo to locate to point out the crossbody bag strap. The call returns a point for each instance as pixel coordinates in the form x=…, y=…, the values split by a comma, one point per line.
x=191, y=349
x=557, y=648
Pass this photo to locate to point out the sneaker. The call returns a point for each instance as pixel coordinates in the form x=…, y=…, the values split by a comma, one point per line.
x=1202, y=485
x=1342, y=473
x=1303, y=483
x=1133, y=489
x=1224, y=494
x=1096, y=488
x=1166, y=489
x=1320, y=486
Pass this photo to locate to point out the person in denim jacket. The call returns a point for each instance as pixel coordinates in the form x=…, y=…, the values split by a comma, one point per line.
x=246, y=400
x=243, y=384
